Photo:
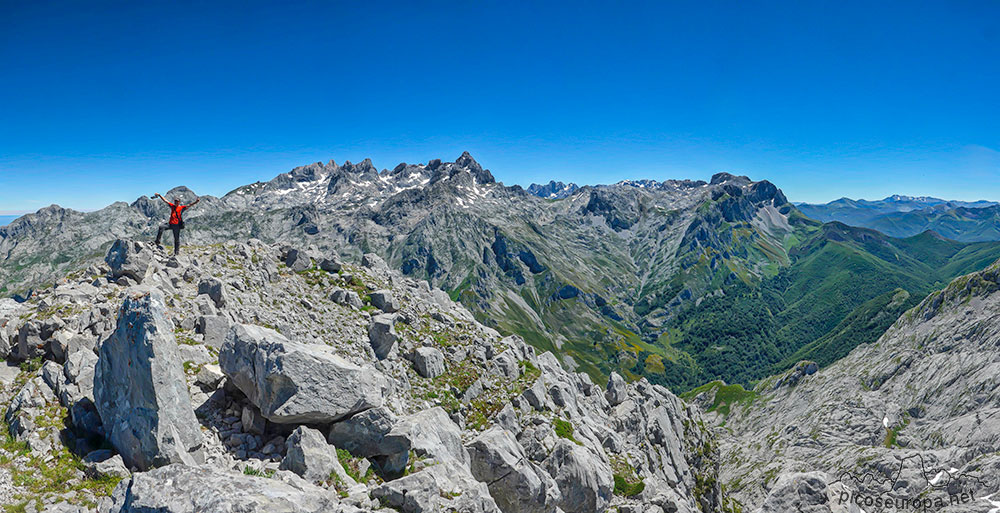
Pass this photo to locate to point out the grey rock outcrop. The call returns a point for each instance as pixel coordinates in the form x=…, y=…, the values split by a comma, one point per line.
x=214, y=289
x=428, y=361
x=111, y=466
x=382, y=335
x=616, y=392
x=584, y=480
x=445, y=487
x=517, y=484
x=384, y=300
x=369, y=434
x=130, y=259
x=214, y=328
x=309, y=456
x=298, y=260
x=293, y=383
x=186, y=489
x=331, y=264
x=139, y=388
x=380, y=435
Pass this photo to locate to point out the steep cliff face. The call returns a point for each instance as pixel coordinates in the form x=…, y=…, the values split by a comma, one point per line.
x=915, y=415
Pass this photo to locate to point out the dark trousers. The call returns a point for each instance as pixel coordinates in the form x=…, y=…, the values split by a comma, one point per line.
x=176, y=228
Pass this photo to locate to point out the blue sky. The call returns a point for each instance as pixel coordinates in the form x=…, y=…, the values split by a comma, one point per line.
x=107, y=101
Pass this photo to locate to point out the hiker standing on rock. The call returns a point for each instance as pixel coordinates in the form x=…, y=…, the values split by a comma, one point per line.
x=176, y=223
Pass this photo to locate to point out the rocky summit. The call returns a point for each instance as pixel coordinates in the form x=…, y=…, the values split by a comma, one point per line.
x=225, y=380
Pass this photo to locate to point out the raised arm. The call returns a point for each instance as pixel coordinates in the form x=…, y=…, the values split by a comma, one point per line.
x=195, y=203
x=157, y=195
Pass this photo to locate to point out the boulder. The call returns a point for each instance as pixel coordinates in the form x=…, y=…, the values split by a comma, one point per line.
x=432, y=434
x=346, y=298
x=77, y=393
x=387, y=440
x=617, y=390
x=186, y=489
x=297, y=260
x=445, y=487
x=331, y=264
x=140, y=391
x=214, y=289
x=209, y=376
x=128, y=258
x=585, y=481
x=384, y=300
x=293, y=383
x=309, y=456
x=517, y=484
x=368, y=435
x=428, y=362
x=194, y=353
x=374, y=262
x=104, y=468
x=30, y=343
x=64, y=343
x=382, y=335
x=215, y=328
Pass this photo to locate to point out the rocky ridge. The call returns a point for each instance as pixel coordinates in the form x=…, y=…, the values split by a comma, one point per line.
x=617, y=259
x=249, y=376
x=913, y=416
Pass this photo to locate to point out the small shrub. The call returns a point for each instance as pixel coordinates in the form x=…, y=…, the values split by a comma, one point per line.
x=627, y=489
x=564, y=429
x=31, y=365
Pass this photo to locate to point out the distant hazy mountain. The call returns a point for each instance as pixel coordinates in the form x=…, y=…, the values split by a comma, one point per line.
x=962, y=223
x=905, y=216
x=859, y=212
x=553, y=190
x=5, y=220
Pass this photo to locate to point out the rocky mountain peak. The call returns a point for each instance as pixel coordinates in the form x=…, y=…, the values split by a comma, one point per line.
x=482, y=176
x=185, y=194
x=721, y=178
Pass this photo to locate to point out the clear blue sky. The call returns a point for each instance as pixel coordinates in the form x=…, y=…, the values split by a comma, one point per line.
x=106, y=101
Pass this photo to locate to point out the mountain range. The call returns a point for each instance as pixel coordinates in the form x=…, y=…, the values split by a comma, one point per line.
x=904, y=216
x=678, y=281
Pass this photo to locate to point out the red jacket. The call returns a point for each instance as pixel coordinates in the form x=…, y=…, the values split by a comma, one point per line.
x=175, y=213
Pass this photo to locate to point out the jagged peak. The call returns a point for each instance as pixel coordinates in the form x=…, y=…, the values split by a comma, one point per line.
x=481, y=175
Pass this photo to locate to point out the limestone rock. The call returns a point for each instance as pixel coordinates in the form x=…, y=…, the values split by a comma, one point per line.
x=428, y=361
x=616, y=392
x=445, y=487
x=215, y=328
x=130, y=259
x=382, y=335
x=805, y=492
x=293, y=383
x=297, y=260
x=309, y=456
x=209, y=376
x=186, y=489
x=140, y=391
x=214, y=289
x=585, y=481
x=384, y=300
x=517, y=484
